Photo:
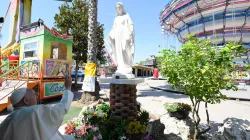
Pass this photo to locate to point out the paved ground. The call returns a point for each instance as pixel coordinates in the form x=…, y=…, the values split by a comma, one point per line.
x=153, y=100
x=240, y=94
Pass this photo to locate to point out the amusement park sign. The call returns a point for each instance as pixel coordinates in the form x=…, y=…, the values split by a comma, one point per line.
x=53, y=88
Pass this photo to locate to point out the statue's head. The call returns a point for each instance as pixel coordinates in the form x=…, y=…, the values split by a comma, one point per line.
x=120, y=9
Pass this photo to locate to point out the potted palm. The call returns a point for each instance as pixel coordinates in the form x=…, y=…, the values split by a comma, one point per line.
x=178, y=110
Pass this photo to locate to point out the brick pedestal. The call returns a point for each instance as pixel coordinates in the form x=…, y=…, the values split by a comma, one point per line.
x=123, y=103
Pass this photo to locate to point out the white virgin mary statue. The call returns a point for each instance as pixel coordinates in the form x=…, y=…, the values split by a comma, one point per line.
x=121, y=40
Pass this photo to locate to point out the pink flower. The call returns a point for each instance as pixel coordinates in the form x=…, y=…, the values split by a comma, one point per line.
x=95, y=138
x=79, y=134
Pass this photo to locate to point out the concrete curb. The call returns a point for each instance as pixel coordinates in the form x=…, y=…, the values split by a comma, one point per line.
x=167, y=90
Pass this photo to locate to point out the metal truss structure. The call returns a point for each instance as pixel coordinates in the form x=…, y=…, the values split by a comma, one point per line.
x=221, y=20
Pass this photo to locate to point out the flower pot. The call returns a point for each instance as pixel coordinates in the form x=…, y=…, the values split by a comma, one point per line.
x=179, y=114
x=135, y=137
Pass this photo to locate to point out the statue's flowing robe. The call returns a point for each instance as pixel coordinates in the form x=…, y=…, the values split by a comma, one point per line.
x=121, y=40
x=39, y=122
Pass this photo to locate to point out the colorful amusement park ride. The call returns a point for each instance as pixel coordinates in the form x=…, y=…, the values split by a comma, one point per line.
x=35, y=57
x=220, y=20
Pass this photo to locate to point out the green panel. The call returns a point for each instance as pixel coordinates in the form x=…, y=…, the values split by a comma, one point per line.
x=53, y=88
x=49, y=39
x=38, y=37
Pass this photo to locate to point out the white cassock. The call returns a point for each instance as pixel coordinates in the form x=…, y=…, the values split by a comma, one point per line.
x=39, y=122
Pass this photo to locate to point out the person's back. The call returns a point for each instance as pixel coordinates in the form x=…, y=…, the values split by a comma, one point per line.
x=35, y=122
x=17, y=122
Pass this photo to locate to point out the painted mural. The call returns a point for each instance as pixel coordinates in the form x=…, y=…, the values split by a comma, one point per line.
x=58, y=51
x=56, y=67
x=32, y=69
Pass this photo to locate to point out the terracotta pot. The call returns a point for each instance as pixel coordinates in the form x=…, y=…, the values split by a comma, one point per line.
x=179, y=114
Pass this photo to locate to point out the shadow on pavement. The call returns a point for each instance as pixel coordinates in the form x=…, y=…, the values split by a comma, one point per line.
x=157, y=93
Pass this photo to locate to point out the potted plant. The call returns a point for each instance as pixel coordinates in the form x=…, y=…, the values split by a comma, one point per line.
x=135, y=130
x=178, y=110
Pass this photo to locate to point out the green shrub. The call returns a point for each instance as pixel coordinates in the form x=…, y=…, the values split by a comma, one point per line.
x=143, y=117
x=104, y=107
x=113, y=129
x=174, y=107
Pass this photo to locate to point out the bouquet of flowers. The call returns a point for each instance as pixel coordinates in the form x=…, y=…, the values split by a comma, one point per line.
x=93, y=134
x=93, y=117
x=80, y=129
x=76, y=128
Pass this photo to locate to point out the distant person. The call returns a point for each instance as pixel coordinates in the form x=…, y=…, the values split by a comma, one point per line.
x=30, y=121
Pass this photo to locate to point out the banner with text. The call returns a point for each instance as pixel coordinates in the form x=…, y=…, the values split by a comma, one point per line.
x=53, y=88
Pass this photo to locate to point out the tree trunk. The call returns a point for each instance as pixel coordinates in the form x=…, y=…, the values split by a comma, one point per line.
x=92, y=26
x=92, y=48
x=91, y=96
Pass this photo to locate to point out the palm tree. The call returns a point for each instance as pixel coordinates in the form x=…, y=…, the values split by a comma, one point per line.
x=92, y=31
x=92, y=49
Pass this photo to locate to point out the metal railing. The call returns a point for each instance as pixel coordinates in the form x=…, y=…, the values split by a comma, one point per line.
x=14, y=74
x=4, y=65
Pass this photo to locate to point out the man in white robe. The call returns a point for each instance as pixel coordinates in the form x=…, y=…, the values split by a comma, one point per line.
x=29, y=121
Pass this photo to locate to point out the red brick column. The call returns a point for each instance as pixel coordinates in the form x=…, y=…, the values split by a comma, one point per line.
x=123, y=103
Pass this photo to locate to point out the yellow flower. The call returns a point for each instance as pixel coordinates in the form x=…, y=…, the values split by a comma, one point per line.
x=95, y=113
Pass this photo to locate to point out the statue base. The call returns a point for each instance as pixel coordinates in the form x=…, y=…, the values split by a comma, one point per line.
x=123, y=76
x=123, y=103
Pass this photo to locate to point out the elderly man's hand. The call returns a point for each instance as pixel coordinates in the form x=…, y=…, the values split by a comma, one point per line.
x=68, y=83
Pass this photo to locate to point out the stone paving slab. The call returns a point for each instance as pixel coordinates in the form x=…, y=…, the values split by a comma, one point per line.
x=153, y=100
x=163, y=85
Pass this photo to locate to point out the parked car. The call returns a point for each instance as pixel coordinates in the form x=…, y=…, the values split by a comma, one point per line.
x=80, y=75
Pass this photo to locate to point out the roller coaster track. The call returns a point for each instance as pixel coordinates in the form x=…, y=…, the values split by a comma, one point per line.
x=224, y=21
x=202, y=18
x=244, y=24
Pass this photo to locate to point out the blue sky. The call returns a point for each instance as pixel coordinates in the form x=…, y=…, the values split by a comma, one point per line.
x=144, y=14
